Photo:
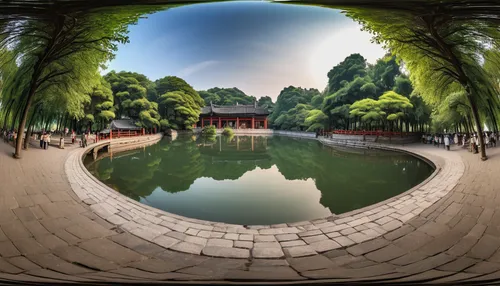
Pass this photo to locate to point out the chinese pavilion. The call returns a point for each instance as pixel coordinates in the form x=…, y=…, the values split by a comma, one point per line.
x=235, y=116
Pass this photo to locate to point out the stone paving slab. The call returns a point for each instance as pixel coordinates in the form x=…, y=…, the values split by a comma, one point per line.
x=182, y=234
x=59, y=223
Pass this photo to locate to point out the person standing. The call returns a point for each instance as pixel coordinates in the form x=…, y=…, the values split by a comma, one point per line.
x=456, y=139
x=14, y=137
x=41, y=140
x=44, y=140
x=83, y=140
x=447, y=142
x=48, y=140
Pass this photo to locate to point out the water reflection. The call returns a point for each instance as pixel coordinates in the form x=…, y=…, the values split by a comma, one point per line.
x=257, y=179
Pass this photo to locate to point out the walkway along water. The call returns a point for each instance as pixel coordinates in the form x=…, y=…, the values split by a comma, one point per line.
x=49, y=234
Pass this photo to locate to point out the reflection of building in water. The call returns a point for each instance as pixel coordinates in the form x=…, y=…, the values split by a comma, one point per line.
x=235, y=116
x=237, y=148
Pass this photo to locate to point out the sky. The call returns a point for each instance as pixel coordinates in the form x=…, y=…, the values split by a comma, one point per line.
x=258, y=47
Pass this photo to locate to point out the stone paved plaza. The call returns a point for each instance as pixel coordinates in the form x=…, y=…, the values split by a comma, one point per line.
x=60, y=224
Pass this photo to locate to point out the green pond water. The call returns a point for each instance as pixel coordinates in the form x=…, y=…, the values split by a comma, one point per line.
x=257, y=179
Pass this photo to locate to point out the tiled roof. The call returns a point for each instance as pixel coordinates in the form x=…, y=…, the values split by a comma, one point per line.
x=234, y=109
x=124, y=124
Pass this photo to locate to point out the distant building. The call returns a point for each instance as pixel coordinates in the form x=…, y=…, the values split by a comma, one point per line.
x=122, y=128
x=234, y=116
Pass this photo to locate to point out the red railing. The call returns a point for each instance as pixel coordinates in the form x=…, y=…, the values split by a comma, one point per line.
x=123, y=134
x=375, y=133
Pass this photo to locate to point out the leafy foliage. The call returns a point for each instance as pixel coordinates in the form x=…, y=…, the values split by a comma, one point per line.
x=227, y=96
x=179, y=103
x=228, y=132
x=130, y=93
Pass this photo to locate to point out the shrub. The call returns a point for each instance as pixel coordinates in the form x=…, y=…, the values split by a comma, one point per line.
x=209, y=131
x=228, y=131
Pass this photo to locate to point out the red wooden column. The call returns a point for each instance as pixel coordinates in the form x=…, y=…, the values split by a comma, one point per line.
x=110, y=134
x=210, y=121
x=253, y=123
x=118, y=133
x=220, y=124
x=202, y=125
x=237, y=123
x=265, y=123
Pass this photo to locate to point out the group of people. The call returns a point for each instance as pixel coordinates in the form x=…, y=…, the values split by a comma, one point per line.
x=9, y=135
x=45, y=139
x=465, y=140
x=440, y=139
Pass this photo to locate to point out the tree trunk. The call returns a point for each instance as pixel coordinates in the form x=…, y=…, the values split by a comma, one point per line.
x=22, y=123
x=37, y=72
x=30, y=128
x=479, y=128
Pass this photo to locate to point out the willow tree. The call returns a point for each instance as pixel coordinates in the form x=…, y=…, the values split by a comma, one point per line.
x=441, y=47
x=64, y=50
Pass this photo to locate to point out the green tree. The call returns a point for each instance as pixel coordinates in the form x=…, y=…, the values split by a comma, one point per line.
x=180, y=109
x=395, y=106
x=64, y=50
x=289, y=98
x=131, y=95
x=226, y=96
x=384, y=72
x=99, y=107
x=441, y=48
x=353, y=66
x=368, y=110
x=266, y=101
x=179, y=103
x=315, y=120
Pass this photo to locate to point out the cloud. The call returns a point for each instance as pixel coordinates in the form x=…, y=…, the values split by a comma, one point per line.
x=189, y=70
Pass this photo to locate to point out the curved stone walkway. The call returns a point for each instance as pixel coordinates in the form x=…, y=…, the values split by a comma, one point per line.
x=48, y=234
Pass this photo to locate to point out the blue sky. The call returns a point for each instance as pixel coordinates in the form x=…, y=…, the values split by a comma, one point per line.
x=259, y=47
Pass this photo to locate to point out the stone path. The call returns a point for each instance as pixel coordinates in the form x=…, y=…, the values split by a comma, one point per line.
x=48, y=234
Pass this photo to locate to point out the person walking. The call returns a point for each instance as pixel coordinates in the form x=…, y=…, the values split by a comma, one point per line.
x=48, y=140
x=83, y=140
x=455, y=140
x=41, y=140
x=447, y=142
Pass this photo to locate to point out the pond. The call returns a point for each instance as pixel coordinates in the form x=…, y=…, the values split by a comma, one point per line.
x=259, y=180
